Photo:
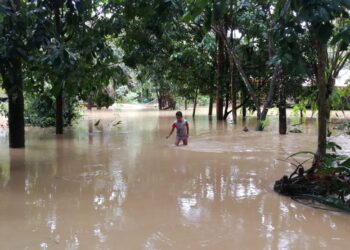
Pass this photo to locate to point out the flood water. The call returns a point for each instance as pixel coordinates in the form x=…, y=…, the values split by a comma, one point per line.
x=127, y=187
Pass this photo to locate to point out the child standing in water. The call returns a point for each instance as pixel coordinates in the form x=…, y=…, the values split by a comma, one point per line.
x=182, y=130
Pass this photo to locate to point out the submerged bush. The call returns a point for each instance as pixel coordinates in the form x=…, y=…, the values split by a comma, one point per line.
x=344, y=126
x=295, y=130
x=326, y=182
x=40, y=110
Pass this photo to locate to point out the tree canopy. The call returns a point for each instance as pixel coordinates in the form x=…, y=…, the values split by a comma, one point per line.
x=252, y=54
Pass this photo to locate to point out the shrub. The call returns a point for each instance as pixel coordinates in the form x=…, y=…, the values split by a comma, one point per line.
x=103, y=99
x=203, y=100
x=340, y=99
x=4, y=109
x=40, y=110
x=125, y=95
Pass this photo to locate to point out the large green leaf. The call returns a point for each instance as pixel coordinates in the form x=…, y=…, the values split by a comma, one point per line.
x=301, y=153
x=333, y=146
x=345, y=163
x=343, y=35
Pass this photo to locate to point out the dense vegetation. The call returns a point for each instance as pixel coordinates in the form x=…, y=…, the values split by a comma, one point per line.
x=238, y=53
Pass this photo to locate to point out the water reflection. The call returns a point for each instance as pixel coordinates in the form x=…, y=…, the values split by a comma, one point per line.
x=129, y=187
x=4, y=174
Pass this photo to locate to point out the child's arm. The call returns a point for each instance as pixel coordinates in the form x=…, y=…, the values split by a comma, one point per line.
x=171, y=132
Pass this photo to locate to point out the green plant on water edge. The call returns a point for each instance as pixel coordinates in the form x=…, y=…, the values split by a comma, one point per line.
x=344, y=126
x=340, y=98
x=265, y=123
x=299, y=108
x=40, y=110
x=326, y=182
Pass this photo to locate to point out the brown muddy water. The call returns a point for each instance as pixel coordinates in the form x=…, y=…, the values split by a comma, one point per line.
x=127, y=187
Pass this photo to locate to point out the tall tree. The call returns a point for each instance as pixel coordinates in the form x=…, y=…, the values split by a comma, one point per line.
x=12, y=51
x=320, y=19
x=235, y=17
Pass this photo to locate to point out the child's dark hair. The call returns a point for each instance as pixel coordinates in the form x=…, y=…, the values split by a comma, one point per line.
x=179, y=113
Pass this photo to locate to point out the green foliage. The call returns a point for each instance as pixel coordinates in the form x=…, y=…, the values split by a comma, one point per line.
x=40, y=110
x=121, y=92
x=326, y=182
x=203, y=100
x=301, y=153
x=340, y=99
x=299, y=108
x=298, y=114
x=125, y=95
x=3, y=109
x=345, y=125
x=131, y=97
x=333, y=146
x=265, y=123
x=175, y=58
x=103, y=99
x=331, y=159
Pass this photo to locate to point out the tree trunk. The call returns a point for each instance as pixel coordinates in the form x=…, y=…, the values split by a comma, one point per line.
x=160, y=100
x=59, y=113
x=301, y=114
x=195, y=104
x=11, y=73
x=161, y=103
x=282, y=110
x=219, y=72
x=233, y=95
x=90, y=102
x=244, y=107
x=273, y=84
x=89, y=105
x=234, y=60
x=210, y=110
x=59, y=97
x=226, y=112
x=141, y=93
x=322, y=99
x=16, y=105
x=185, y=103
x=330, y=86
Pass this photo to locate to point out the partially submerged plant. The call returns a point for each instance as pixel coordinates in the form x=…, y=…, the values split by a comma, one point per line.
x=326, y=182
x=344, y=126
x=295, y=130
